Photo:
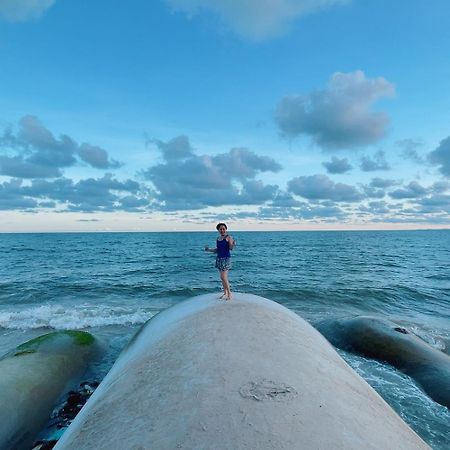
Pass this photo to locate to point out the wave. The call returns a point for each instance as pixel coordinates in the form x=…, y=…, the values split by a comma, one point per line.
x=62, y=317
x=428, y=418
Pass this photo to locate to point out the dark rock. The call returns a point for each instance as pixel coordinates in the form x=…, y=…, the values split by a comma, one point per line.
x=44, y=445
x=64, y=414
x=401, y=330
x=384, y=340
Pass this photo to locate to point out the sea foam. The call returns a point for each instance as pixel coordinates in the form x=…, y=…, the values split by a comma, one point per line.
x=72, y=317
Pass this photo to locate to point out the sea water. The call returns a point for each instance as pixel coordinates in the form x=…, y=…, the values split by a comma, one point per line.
x=111, y=283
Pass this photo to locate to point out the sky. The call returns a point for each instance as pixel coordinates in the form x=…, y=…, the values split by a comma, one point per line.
x=171, y=115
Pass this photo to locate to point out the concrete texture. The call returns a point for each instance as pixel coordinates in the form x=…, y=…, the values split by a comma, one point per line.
x=242, y=374
x=32, y=378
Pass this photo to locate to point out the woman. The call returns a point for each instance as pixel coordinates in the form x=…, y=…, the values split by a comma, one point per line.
x=224, y=244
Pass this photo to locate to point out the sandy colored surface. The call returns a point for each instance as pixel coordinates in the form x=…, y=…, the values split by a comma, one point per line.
x=245, y=374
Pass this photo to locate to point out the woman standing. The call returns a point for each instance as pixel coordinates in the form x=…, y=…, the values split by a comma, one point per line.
x=224, y=244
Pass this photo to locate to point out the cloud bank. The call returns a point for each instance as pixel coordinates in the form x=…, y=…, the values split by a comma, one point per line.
x=92, y=194
x=186, y=184
x=34, y=152
x=188, y=181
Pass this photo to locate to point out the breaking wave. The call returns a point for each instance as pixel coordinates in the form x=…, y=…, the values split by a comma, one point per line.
x=62, y=317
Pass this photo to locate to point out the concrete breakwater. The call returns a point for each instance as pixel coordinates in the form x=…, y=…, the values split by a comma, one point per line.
x=243, y=374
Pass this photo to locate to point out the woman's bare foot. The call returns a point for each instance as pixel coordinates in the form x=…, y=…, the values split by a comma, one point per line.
x=228, y=296
x=223, y=295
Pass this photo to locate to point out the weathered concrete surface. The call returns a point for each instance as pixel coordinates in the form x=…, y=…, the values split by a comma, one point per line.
x=245, y=374
x=32, y=377
x=387, y=341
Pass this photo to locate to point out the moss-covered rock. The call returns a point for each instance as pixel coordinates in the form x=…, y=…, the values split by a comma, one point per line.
x=79, y=337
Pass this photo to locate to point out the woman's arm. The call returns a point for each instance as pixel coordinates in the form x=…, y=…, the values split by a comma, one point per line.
x=231, y=242
x=212, y=250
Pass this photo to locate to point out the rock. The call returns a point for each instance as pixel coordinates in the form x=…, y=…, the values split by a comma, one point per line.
x=386, y=341
x=63, y=415
x=44, y=445
x=32, y=378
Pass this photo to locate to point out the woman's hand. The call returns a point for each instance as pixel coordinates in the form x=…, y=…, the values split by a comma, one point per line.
x=231, y=242
x=206, y=248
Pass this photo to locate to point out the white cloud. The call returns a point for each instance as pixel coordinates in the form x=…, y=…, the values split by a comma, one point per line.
x=441, y=156
x=21, y=10
x=193, y=182
x=410, y=150
x=96, y=157
x=34, y=152
x=91, y=194
x=339, y=116
x=377, y=162
x=412, y=190
x=337, y=165
x=177, y=148
x=383, y=183
x=255, y=20
x=320, y=187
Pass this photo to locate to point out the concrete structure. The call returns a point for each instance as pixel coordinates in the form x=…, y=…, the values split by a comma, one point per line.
x=32, y=378
x=231, y=375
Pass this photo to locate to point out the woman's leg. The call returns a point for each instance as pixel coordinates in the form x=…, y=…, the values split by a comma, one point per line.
x=226, y=284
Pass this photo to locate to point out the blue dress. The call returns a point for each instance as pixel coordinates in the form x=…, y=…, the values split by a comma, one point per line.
x=223, y=259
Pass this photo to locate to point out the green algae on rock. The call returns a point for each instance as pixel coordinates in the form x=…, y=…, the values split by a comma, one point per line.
x=79, y=337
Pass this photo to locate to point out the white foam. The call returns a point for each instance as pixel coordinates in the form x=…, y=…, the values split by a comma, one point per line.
x=431, y=337
x=72, y=317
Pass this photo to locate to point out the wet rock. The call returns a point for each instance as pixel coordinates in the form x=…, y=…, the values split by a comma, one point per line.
x=381, y=339
x=44, y=445
x=401, y=330
x=64, y=414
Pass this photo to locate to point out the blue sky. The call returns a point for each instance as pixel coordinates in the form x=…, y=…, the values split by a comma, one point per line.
x=172, y=114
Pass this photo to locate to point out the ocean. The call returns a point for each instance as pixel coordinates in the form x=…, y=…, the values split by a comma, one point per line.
x=110, y=283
